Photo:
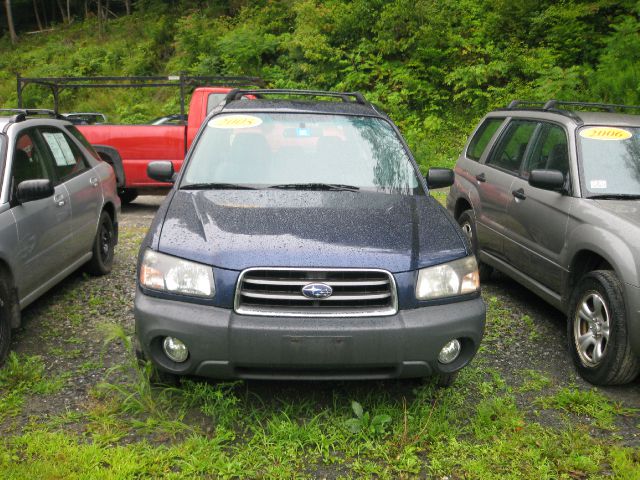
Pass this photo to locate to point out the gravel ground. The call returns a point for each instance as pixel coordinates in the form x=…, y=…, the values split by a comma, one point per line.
x=67, y=329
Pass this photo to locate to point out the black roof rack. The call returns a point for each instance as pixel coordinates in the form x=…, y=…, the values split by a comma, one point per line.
x=181, y=81
x=556, y=106
x=21, y=114
x=356, y=97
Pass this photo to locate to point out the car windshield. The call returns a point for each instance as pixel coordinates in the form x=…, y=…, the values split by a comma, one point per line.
x=610, y=158
x=301, y=151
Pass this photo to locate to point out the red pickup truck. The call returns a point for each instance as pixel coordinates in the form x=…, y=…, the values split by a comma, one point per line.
x=130, y=148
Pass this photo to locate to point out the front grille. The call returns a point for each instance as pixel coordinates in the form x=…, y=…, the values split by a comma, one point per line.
x=278, y=292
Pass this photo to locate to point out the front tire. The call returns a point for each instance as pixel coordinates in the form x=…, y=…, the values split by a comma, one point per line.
x=103, y=246
x=127, y=195
x=6, y=307
x=467, y=222
x=597, y=331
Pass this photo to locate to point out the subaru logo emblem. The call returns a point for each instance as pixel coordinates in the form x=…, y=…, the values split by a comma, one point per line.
x=317, y=290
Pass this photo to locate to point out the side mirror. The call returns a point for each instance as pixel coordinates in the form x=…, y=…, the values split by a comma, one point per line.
x=547, y=179
x=162, y=171
x=440, y=177
x=30, y=190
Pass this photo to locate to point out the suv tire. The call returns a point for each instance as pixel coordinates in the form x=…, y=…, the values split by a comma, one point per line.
x=6, y=308
x=597, y=315
x=103, y=247
x=467, y=221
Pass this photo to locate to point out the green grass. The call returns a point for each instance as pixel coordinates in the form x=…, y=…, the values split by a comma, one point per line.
x=21, y=376
x=484, y=427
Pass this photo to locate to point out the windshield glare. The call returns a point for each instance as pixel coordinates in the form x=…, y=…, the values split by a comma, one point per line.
x=610, y=158
x=268, y=149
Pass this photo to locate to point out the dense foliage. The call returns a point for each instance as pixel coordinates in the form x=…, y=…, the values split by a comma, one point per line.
x=435, y=66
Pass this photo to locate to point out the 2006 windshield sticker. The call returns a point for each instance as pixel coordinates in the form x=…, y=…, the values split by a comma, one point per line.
x=605, y=133
x=235, y=121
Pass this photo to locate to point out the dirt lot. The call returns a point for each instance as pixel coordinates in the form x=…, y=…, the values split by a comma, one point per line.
x=73, y=373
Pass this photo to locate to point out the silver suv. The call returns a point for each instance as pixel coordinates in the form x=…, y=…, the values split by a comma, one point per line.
x=58, y=210
x=549, y=194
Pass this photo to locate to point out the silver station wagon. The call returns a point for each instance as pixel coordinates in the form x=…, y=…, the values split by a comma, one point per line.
x=58, y=210
x=549, y=194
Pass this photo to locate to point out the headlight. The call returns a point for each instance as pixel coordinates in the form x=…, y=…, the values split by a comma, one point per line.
x=171, y=274
x=449, y=279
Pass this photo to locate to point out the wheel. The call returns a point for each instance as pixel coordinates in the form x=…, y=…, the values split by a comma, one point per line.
x=6, y=307
x=127, y=195
x=103, y=246
x=597, y=331
x=467, y=221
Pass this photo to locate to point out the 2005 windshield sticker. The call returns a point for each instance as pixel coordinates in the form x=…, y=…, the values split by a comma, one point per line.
x=605, y=133
x=235, y=121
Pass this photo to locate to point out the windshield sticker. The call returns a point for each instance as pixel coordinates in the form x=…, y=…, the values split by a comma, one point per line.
x=605, y=133
x=235, y=121
x=596, y=184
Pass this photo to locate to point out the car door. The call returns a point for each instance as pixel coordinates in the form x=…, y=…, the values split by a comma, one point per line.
x=74, y=173
x=494, y=184
x=538, y=218
x=43, y=226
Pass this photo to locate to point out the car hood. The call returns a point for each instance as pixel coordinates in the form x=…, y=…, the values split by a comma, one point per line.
x=238, y=229
x=628, y=210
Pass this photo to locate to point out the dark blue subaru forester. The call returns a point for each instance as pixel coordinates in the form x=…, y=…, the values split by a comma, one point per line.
x=300, y=242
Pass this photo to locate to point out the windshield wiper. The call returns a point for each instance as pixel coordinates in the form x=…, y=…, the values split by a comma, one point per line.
x=316, y=186
x=615, y=196
x=217, y=186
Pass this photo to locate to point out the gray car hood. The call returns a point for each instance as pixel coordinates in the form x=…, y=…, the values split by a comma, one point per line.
x=628, y=210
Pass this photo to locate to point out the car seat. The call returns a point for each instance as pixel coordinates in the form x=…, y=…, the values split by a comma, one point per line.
x=24, y=167
x=558, y=158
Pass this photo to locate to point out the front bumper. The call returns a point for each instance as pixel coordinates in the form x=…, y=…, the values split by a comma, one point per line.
x=223, y=344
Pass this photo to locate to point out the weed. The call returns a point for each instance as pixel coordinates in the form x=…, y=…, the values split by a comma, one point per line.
x=365, y=423
x=589, y=403
x=531, y=327
x=21, y=376
x=534, y=381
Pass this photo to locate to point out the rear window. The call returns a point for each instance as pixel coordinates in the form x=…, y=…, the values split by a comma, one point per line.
x=482, y=137
x=214, y=99
x=76, y=133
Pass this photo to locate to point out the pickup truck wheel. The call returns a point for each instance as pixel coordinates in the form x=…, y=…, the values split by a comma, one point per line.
x=127, y=195
x=103, y=247
x=467, y=221
x=6, y=300
x=597, y=331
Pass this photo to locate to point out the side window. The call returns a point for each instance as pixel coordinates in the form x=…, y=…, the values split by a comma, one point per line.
x=29, y=160
x=482, y=137
x=81, y=138
x=68, y=159
x=214, y=99
x=509, y=153
x=551, y=151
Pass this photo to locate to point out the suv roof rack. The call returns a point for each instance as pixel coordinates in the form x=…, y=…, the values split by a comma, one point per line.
x=21, y=114
x=237, y=94
x=555, y=106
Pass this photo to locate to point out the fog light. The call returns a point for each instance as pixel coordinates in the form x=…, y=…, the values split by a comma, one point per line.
x=175, y=349
x=449, y=352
